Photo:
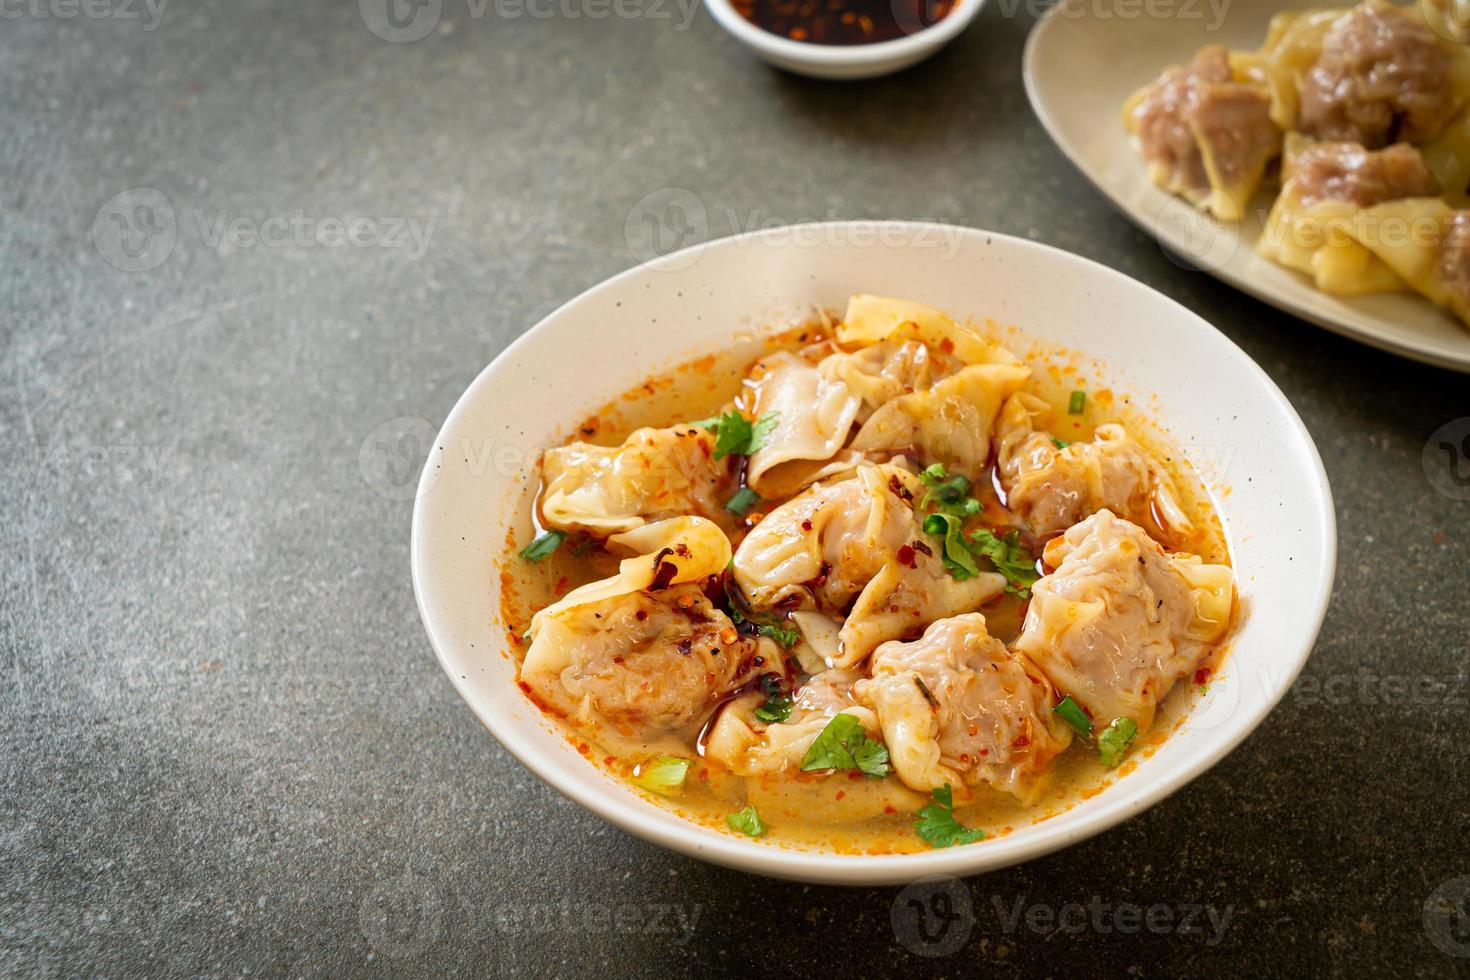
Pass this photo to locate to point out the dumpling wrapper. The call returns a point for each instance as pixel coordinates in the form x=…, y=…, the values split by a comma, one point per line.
x=958, y=708
x=858, y=528
x=1120, y=621
x=654, y=474
x=951, y=420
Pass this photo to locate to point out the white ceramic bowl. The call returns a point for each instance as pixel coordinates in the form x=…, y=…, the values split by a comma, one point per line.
x=845, y=61
x=1217, y=404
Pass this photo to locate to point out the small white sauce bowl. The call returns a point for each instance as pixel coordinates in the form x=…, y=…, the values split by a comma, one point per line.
x=845, y=61
x=1251, y=449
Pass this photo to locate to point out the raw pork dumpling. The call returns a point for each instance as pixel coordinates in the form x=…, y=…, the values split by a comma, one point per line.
x=744, y=744
x=957, y=707
x=1205, y=131
x=1427, y=243
x=815, y=411
x=853, y=547
x=930, y=386
x=1325, y=186
x=645, y=647
x=1052, y=488
x=1120, y=621
x=1381, y=76
x=654, y=474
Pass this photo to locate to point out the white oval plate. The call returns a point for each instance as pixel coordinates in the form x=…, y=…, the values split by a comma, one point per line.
x=1217, y=404
x=1080, y=66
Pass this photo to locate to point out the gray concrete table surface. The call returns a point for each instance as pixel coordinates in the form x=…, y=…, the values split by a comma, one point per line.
x=227, y=748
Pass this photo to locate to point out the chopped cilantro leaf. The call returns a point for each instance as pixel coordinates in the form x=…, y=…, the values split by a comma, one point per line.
x=663, y=775
x=1009, y=558
x=1077, y=403
x=958, y=559
x=936, y=822
x=746, y=821
x=787, y=636
x=736, y=435
x=743, y=499
x=1114, y=741
x=543, y=546
x=1071, y=712
x=844, y=744
x=1061, y=443
x=778, y=702
x=774, y=710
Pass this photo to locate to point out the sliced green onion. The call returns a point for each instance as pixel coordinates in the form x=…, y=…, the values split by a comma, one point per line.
x=543, y=546
x=746, y=821
x=1113, y=743
x=1071, y=712
x=1061, y=443
x=744, y=499
x=1077, y=403
x=663, y=775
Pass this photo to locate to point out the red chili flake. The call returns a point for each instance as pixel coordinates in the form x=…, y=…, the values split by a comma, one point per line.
x=561, y=585
x=889, y=809
x=1202, y=676
x=841, y=793
x=641, y=615
x=608, y=760
x=806, y=525
x=906, y=556
x=1021, y=741
x=947, y=345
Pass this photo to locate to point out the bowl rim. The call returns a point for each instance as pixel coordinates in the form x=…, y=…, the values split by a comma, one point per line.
x=685, y=837
x=844, y=55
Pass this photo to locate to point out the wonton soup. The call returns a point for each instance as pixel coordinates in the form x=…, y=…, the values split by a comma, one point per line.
x=878, y=586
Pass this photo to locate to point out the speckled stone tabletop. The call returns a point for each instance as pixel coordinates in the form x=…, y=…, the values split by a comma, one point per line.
x=237, y=239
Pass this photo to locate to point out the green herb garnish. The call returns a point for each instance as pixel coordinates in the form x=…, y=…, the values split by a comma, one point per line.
x=778, y=702
x=1071, y=712
x=543, y=546
x=787, y=636
x=844, y=744
x=1077, y=403
x=744, y=499
x=958, y=558
x=663, y=775
x=1061, y=443
x=1009, y=558
x=945, y=491
x=746, y=821
x=1114, y=741
x=936, y=822
x=736, y=435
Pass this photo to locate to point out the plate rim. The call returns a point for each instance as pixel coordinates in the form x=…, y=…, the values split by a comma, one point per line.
x=684, y=837
x=1029, y=75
